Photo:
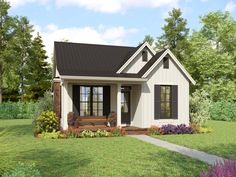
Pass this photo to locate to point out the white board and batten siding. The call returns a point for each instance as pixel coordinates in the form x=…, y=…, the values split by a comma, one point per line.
x=161, y=76
x=137, y=63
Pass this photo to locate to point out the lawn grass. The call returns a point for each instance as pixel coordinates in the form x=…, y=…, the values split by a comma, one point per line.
x=222, y=141
x=121, y=156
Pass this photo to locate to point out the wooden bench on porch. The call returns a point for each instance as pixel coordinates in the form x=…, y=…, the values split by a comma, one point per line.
x=91, y=122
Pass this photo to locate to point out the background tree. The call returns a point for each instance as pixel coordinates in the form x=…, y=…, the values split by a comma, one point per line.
x=6, y=33
x=175, y=34
x=23, y=45
x=149, y=39
x=211, y=59
x=39, y=75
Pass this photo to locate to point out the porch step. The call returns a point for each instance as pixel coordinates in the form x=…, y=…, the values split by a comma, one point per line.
x=135, y=131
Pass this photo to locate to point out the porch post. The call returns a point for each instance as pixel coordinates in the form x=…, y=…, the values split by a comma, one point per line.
x=118, y=104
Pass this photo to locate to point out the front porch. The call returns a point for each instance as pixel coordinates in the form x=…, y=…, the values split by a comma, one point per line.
x=98, y=99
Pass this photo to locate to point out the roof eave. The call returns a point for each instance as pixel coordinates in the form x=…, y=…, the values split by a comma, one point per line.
x=99, y=78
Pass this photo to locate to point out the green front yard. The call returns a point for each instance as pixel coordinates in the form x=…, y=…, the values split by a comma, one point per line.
x=222, y=141
x=122, y=156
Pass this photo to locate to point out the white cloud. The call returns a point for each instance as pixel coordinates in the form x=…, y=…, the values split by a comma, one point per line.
x=105, y=35
x=230, y=6
x=115, y=6
x=106, y=6
x=16, y=3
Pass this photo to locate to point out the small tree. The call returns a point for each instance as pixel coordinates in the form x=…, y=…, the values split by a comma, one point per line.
x=199, y=107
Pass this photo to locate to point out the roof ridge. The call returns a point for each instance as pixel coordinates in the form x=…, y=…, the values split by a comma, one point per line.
x=92, y=44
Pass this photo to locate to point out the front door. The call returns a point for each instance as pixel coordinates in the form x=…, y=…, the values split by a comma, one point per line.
x=125, y=105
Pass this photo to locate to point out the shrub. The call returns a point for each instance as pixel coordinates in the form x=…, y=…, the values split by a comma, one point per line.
x=23, y=170
x=101, y=133
x=223, y=110
x=221, y=169
x=45, y=103
x=205, y=130
x=72, y=133
x=87, y=134
x=117, y=131
x=154, y=130
x=173, y=129
x=51, y=135
x=195, y=127
x=199, y=107
x=46, y=122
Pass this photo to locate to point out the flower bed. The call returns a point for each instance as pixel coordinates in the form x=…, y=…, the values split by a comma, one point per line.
x=177, y=129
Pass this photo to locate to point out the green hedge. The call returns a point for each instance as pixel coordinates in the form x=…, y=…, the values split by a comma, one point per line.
x=18, y=110
x=26, y=110
x=223, y=110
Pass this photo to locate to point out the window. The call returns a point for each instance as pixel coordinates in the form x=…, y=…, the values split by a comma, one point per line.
x=166, y=62
x=91, y=101
x=97, y=101
x=85, y=107
x=166, y=102
x=144, y=55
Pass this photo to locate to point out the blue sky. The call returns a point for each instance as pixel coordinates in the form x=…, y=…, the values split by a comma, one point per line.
x=118, y=22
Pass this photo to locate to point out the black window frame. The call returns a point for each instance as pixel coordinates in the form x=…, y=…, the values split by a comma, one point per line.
x=165, y=112
x=166, y=62
x=91, y=101
x=144, y=56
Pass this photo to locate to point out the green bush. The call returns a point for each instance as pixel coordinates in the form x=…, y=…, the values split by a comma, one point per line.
x=26, y=110
x=199, y=108
x=18, y=110
x=101, y=133
x=46, y=122
x=51, y=135
x=87, y=134
x=23, y=170
x=117, y=131
x=45, y=103
x=223, y=110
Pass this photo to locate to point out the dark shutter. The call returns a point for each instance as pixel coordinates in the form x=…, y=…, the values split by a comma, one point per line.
x=106, y=100
x=174, y=101
x=157, y=102
x=76, y=99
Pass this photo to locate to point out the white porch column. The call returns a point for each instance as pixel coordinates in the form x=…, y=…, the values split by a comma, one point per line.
x=118, y=108
x=64, y=101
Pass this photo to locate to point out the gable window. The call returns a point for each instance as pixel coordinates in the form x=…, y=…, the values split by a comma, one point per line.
x=166, y=101
x=166, y=62
x=144, y=55
x=91, y=101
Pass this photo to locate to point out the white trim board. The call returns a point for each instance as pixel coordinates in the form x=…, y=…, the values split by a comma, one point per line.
x=175, y=60
x=102, y=78
x=145, y=44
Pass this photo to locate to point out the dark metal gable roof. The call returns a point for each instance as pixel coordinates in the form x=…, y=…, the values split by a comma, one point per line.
x=76, y=59
x=90, y=59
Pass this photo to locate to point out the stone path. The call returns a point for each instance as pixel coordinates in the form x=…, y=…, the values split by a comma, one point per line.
x=200, y=155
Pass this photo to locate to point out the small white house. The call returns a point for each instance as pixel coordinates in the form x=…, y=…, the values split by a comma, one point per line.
x=142, y=86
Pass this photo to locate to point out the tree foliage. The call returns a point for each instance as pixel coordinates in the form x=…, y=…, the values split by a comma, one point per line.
x=211, y=56
x=24, y=71
x=175, y=34
x=149, y=39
